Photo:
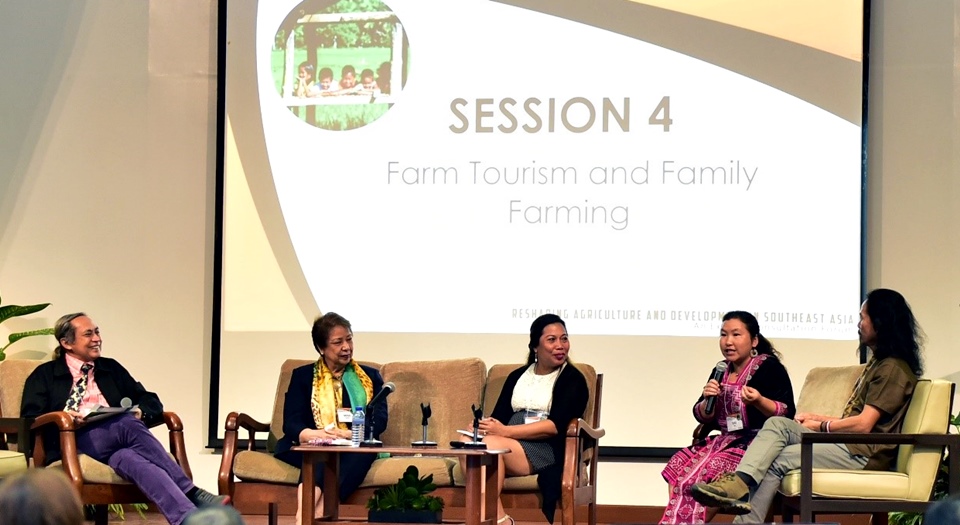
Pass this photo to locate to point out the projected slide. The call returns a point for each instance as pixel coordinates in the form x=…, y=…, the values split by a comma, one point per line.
x=511, y=163
x=464, y=166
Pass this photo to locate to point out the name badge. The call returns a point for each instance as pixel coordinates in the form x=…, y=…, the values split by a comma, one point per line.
x=532, y=416
x=734, y=423
x=344, y=415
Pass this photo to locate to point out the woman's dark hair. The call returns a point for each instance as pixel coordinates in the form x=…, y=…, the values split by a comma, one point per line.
x=898, y=334
x=764, y=346
x=536, y=330
x=324, y=325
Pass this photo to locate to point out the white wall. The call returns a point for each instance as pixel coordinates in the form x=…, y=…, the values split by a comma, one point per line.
x=107, y=164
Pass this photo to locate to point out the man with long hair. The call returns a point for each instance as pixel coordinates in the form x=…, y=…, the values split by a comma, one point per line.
x=877, y=404
x=78, y=380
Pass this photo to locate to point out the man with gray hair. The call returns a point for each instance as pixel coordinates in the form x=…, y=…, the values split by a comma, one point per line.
x=79, y=379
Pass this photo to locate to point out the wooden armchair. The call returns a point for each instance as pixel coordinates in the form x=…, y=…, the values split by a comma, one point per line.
x=579, y=483
x=254, y=478
x=12, y=427
x=925, y=436
x=96, y=483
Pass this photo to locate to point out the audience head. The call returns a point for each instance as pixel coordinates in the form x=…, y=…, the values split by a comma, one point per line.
x=548, y=340
x=214, y=515
x=333, y=339
x=39, y=497
x=946, y=512
x=76, y=333
x=887, y=326
x=746, y=325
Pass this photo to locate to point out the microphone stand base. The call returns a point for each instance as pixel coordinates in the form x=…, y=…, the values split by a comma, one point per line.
x=423, y=444
x=371, y=443
x=475, y=444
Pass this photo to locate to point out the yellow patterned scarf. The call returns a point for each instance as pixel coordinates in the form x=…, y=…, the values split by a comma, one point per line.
x=326, y=398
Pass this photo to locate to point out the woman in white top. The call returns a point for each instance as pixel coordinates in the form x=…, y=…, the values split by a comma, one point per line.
x=536, y=404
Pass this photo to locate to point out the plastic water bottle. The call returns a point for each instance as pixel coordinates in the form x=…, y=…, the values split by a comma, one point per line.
x=357, y=426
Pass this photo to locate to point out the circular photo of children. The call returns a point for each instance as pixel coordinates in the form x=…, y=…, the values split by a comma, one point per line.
x=340, y=64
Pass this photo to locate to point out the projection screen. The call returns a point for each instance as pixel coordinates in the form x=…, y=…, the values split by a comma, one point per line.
x=443, y=172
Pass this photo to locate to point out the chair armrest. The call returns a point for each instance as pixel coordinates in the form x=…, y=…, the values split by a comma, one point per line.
x=879, y=439
x=580, y=428
x=238, y=420
x=580, y=453
x=177, y=445
x=19, y=426
x=68, y=444
x=234, y=422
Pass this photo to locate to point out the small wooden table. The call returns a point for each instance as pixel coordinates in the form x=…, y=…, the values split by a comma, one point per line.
x=330, y=456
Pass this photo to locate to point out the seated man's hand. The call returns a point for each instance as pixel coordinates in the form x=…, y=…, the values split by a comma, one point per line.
x=137, y=413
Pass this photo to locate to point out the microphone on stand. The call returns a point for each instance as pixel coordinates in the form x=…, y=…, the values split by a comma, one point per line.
x=717, y=375
x=387, y=389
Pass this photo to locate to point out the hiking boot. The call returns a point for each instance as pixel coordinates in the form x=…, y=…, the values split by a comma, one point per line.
x=202, y=498
x=728, y=492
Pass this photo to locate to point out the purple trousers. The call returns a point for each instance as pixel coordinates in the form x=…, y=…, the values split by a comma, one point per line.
x=125, y=443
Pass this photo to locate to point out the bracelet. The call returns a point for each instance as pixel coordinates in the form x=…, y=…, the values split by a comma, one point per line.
x=828, y=426
x=823, y=426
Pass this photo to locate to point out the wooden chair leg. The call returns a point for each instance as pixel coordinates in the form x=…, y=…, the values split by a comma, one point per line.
x=272, y=513
x=879, y=518
x=100, y=514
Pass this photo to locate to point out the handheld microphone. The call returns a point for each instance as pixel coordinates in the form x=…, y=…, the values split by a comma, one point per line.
x=717, y=375
x=387, y=389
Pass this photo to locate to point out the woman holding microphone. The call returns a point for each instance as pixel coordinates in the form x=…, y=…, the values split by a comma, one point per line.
x=747, y=387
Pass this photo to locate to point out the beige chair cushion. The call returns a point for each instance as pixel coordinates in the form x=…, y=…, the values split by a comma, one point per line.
x=826, y=390
x=13, y=375
x=260, y=466
x=449, y=386
x=929, y=413
x=386, y=471
x=847, y=484
x=94, y=471
x=10, y=462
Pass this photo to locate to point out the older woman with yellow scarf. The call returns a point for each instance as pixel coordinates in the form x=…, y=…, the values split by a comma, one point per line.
x=318, y=404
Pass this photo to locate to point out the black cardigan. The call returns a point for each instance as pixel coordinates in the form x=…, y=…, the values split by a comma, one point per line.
x=570, y=394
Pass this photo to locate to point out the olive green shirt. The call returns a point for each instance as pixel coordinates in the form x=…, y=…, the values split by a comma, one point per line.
x=886, y=384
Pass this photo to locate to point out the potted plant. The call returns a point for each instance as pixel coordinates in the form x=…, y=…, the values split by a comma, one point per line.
x=12, y=310
x=939, y=489
x=406, y=501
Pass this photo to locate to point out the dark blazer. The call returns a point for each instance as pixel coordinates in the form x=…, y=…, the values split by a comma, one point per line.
x=570, y=395
x=298, y=414
x=47, y=388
